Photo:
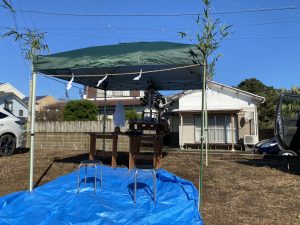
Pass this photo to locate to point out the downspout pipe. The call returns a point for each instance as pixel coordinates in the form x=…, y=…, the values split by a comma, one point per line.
x=181, y=131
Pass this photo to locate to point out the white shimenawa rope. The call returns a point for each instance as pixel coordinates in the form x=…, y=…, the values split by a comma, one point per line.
x=130, y=73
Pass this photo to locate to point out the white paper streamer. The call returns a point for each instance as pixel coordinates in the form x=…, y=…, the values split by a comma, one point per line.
x=70, y=83
x=139, y=76
x=100, y=81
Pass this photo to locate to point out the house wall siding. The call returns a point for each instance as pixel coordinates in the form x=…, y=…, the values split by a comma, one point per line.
x=188, y=131
x=42, y=103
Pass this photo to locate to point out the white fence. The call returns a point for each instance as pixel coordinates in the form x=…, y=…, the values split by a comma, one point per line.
x=75, y=126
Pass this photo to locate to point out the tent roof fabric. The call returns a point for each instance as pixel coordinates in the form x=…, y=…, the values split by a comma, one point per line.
x=123, y=62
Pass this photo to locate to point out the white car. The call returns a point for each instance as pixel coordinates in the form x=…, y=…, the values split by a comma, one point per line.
x=10, y=133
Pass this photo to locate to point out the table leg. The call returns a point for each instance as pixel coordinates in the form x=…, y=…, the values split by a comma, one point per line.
x=114, y=151
x=131, y=153
x=92, y=146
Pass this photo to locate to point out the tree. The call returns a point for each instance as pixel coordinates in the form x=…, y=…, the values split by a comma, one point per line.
x=295, y=90
x=80, y=110
x=53, y=112
x=131, y=114
x=153, y=100
x=32, y=41
x=212, y=33
x=266, y=110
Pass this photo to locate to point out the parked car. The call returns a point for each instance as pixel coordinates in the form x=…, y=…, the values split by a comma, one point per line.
x=270, y=146
x=267, y=146
x=287, y=124
x=10, y=132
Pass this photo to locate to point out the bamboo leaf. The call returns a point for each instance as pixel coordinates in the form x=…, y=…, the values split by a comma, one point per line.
x=7, y=5
x=182, y=34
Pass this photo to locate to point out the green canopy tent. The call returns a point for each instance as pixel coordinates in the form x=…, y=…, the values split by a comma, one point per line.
x=167, y=65
x=164, y=65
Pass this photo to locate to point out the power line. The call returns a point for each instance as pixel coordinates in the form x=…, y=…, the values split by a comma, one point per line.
x=162, y=14
x=164, y=39
x=264, y=38
x=160, y=28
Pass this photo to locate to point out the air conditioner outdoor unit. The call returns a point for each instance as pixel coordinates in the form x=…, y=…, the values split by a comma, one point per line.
x=250, y=139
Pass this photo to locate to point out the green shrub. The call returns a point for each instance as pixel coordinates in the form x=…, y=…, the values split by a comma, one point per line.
x=80, y=110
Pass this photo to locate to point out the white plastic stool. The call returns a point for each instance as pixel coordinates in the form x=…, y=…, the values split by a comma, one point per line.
x=86, y=164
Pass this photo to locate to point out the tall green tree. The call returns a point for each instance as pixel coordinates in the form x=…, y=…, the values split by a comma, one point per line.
x=266, y=110
x=80, y=110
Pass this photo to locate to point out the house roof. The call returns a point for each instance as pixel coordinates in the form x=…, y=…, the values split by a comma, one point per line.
x=11, y=88
x=258, y=98
x=5, y=94
x=26, y=99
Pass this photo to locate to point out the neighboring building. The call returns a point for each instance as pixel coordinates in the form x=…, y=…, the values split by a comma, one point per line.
x=6, y=87
x=42, y=102
x=14, y=104
x=129, y=99
x=232, y=113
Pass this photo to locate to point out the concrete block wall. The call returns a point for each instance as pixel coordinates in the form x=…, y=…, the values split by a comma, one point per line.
x=74, y=141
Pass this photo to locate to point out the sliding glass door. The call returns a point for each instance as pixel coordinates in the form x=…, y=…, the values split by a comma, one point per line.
x=219, y=129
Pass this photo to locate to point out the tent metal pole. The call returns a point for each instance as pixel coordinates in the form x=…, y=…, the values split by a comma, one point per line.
x=202, y=135
x=32, y=129
x=104, y=120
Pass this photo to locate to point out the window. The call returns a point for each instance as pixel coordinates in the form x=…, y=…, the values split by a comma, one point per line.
x=8, y=105
x=219, y=129
x=126, y=93
x=20, y=112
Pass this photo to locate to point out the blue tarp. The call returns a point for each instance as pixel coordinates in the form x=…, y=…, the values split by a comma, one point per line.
x=58, y=202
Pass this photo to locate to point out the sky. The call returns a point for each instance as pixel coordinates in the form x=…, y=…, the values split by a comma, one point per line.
x=264, y=44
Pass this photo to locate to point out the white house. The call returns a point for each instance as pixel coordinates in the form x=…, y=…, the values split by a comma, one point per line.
x=129, y=99
x=14, y=104
x=232, y=113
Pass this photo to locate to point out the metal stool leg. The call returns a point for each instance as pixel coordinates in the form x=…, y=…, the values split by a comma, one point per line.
x=101, y=165
x=86, y=164
x=95, y=178
x=78, y=177
x=135, y=185
x=85, y=177
x=154, y=185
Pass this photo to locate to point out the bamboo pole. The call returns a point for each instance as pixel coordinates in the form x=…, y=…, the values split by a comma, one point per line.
x=202, y=134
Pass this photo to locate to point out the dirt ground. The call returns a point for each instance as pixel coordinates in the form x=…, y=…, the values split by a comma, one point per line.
x=238, y=188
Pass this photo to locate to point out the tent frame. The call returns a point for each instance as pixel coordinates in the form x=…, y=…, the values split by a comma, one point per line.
x=193, y=82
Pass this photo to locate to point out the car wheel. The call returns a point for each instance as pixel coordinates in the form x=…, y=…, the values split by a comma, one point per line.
x=7, y=145
x=287, y=153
